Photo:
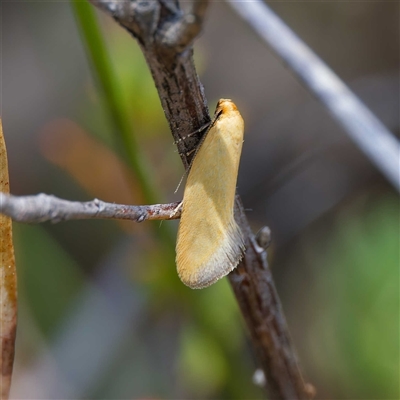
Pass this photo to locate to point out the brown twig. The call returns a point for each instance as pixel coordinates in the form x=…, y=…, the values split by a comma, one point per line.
x=43, y=207
x=182, y=97
x=181, y=93
x=8, y=285
x=259, y=302
x=380, y=146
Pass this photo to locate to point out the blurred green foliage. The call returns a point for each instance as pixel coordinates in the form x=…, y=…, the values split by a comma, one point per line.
x=48, y=278
x=356, y=337
x=114, y=100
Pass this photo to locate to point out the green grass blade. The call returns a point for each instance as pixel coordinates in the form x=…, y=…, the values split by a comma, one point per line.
x=108, y=84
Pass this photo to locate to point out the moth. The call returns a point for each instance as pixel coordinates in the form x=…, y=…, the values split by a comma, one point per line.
x=210, y=244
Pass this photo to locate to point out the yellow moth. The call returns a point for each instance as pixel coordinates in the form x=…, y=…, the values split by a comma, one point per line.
x=210, y=244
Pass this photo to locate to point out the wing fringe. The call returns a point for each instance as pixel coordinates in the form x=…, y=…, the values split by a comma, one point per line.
x=222, y=261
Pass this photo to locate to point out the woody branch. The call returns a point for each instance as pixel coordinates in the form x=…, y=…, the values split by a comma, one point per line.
x=368, y=133
x=43, y=207
x=165, y=35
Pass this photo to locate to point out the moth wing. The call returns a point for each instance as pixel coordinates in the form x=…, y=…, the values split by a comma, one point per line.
x=210, y=244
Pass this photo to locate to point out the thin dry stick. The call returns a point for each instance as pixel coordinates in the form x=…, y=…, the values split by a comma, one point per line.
x=367, y=132
x=157, y=26
x=8, y=285
x=43, y=207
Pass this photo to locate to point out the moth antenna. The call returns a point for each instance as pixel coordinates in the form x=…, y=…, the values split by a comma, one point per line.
x=209, y=125
x=203, y=138
x=180, y=182
x=176, y=209
x=202, y=128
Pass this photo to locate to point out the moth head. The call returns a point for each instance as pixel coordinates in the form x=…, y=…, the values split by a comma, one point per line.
x=225, y=105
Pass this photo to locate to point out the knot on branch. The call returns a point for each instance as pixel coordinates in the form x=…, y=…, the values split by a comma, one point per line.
x=263, y=237
x=160, y=24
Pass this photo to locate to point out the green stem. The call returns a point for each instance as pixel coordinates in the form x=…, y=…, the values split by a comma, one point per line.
x=108, y=84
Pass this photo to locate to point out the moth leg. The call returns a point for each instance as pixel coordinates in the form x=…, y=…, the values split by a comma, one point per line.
x=176, y=209
x=190, y=152
x=202, y=128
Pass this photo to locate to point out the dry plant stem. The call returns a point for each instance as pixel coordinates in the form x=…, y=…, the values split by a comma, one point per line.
x=254, y=288
x=43, y=207
x=8, y=286
x=368, y=133
x=157, y=26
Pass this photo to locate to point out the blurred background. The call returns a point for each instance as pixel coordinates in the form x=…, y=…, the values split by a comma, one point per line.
x=102, y=313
